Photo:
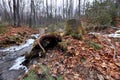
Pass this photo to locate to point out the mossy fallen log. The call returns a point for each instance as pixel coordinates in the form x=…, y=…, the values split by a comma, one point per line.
x=41, y=45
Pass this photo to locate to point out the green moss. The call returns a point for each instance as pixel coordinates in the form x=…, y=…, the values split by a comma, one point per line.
x=77, y=36
x=45, y=74
x=31, y=76
x=92, y=44
x=95, y=45
x=64, y=44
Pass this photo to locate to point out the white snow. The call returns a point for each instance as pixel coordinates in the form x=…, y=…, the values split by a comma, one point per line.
x=35, y=35
x=18, y=64
x=118, y=31
x=114, y=35
x=16, y=48
x=26, y=44
x=94, y=33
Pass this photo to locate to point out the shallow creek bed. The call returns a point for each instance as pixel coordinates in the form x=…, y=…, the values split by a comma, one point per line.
x=14, y=61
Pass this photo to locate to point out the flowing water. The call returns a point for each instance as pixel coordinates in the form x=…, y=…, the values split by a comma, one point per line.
x=11, y=59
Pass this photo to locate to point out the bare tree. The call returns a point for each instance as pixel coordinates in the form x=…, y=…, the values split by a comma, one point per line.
x=14, y=13
x=70, y=10
x=79, y=11
x=31, y=13
x=21, y=12
x=18, y=14
x=51, y=11
x=47, y=8
x=67, y=6
x=6, y=14
x=84, y=5
x=63, y=9
x=11, y=16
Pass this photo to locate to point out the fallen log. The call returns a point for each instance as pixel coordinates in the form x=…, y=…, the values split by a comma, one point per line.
x=41, y=45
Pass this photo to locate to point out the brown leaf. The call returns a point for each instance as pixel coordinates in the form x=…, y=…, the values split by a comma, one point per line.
x=117, y=63
x=104, y=65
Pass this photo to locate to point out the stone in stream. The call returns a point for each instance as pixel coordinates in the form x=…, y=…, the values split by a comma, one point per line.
x=11, y=75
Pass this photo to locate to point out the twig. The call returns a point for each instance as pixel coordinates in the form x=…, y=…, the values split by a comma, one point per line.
x=41, y=47
x=109, y=42
x=114, y=56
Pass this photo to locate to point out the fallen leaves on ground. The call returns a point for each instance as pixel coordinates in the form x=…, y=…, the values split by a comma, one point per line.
x=15, y=35
x=82, y=62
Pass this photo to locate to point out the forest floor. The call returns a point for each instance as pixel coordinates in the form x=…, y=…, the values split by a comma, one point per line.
x=93, y=58
x=10, y=36
x=96, y=57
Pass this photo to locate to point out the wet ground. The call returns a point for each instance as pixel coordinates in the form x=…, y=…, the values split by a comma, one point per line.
x=11, y=59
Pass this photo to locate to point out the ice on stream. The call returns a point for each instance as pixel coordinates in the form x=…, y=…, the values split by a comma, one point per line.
x=18, y=64
x=35, y=35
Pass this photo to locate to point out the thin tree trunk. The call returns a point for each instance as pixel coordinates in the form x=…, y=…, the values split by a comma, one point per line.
x=11, y=17
x=63, y=10
x=14, y=12
x=18, y=14
x=79, y=11
x=47, y=8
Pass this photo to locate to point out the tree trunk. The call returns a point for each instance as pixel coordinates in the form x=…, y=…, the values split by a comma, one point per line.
x=31, y=13
x=63, y=10
x=11, y=16
x=18, y=14
x=14, y=13
x=47, y=8
x=79, y=11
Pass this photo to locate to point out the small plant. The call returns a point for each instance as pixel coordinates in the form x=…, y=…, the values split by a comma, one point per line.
x=95, y=45
x=44, y=75
x=77, y=36
x=31, y=76
x=63, y=45
x=15, y=38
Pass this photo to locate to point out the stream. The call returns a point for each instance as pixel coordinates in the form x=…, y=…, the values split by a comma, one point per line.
x=11, y=59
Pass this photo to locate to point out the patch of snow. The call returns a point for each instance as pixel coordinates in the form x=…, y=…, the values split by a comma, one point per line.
x=114, y=35
x=35, y=35
x=18, y=64
x=16, y=48
x=118, y=31
x=94, y=33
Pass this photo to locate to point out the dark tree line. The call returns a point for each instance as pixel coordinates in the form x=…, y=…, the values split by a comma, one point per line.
x=37, y=12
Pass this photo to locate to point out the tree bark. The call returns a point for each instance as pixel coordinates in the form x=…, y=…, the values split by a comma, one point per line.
x=14, y=13
x=11, y=16
x=18, y=14
x=79, y=11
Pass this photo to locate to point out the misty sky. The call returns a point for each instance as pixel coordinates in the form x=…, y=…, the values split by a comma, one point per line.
x=59, y=3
